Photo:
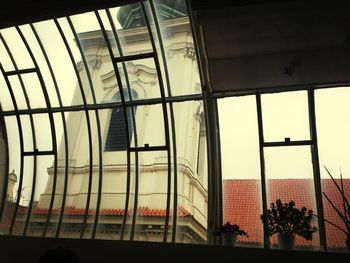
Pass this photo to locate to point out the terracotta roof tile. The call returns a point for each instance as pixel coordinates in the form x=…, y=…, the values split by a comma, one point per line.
x=242, y=205
x=141, y=211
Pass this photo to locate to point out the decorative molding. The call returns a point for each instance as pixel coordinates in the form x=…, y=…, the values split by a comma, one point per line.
x=139, y=74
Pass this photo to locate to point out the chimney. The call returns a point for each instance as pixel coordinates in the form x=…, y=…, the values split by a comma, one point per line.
x=11, y=183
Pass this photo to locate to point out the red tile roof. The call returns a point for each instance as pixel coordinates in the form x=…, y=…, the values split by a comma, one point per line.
x=141, y=211
x=242, y=205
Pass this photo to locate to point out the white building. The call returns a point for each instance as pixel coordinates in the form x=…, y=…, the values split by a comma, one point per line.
x=153, y=165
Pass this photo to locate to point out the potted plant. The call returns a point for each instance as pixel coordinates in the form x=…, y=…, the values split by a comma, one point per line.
x=344, y=211
x=228, y=233
x=287, y=221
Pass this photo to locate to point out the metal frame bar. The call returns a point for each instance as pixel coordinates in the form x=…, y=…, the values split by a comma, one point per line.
x=52, y=126
x=172, y=117
x=17, y=71
x=62, y=117
x=132, y=57
x=21, y=145
x=7, y=163
x=122, y=97
x=288, y=143
x=276, y=89
x=104, y=105
x=262, y=167
x=316, y=168
x=165, y=119
x=31, y=119
x=148, y=148
x=127, y=194
x=38, y=153
x=100, y=175
x=205, y=98
x=88, y=124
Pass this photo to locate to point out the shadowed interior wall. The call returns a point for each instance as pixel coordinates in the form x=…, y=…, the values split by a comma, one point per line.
x=276, y=44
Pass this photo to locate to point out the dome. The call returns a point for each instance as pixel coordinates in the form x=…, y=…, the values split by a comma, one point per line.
x=130, y=16
x=13, y=176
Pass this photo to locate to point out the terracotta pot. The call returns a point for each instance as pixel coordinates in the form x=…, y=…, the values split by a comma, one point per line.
x=286, y=241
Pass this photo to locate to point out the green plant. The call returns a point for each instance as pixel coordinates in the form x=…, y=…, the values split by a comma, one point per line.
x=344, y=211
x=230, y=228
x=288, y=220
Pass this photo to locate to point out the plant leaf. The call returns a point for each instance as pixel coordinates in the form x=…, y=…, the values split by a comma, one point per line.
x=339, y=189
x=346, y=222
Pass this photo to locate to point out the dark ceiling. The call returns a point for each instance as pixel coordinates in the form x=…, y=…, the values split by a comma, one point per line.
x=17, y=12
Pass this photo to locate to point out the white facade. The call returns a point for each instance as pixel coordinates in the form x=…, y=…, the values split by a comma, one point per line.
x=189, y=127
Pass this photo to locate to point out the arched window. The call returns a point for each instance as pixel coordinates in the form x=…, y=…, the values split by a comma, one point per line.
x=116, y=136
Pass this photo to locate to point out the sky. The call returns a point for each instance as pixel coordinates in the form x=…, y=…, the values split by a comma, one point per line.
x=285, y=115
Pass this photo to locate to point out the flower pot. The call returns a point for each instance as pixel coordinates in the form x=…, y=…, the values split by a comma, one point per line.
x=228, y=239
x=285, y=241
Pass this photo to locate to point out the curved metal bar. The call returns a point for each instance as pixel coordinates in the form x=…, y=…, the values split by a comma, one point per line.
x=88, y=124
x=126, y=206
x=206, y=97
x=316, y=168
x=63, y=122
x=4, y=195
x=166, y=122
x=100, y=171
x=172, y=118
x=262, y=167
x=33, y=134
x=21, y=143
x=52, y=126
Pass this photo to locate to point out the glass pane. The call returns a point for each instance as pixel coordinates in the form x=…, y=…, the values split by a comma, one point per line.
x=131, y=29
x=179, y=48
x=5, y=58
x=71, y=92
x=24, y=195
x=33, y=89
x=95, y=179
x=289, y=177
x=42, y=197
x=18, y=91
x=92, y=42
x=142, y=77
x=108, y=27
x=192, y=180
x=5, y=98
x=43, y=132
x=78, y=173
x=152, y=194
x=150, y=125
x=40, y=60
x=27, y=133
x=113, y=188
x=285, y=115
x=14, y=169
x=333, y=129
x=241, y=167
x=17, y=48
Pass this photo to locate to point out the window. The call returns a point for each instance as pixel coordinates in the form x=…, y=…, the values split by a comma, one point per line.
x=116, y=137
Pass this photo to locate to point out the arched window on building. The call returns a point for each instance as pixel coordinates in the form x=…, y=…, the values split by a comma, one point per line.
x=116, y=136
